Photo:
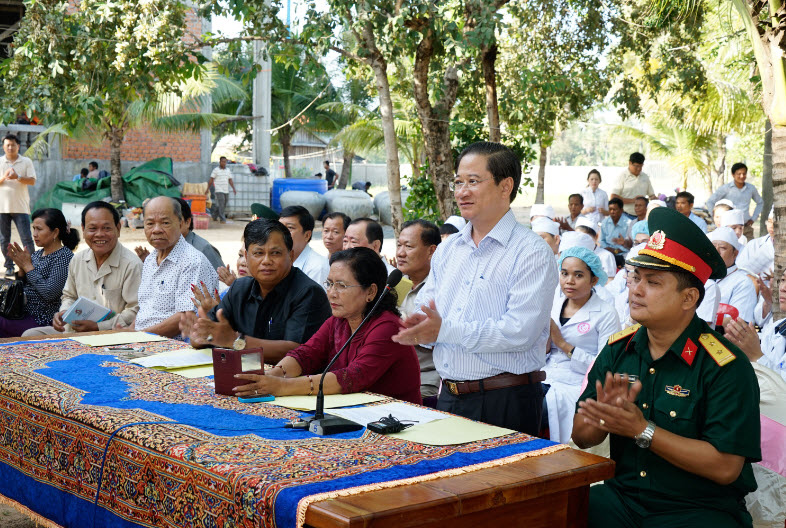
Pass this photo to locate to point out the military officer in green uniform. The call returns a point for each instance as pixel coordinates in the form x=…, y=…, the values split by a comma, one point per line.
x=686, y=428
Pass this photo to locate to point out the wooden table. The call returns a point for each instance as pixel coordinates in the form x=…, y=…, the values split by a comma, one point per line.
x=548, y=491
x=545, y=491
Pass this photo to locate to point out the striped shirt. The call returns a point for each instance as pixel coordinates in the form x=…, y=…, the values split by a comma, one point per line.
x=495, y=301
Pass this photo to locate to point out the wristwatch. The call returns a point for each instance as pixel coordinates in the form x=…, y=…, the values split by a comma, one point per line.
x=644, y=439
x=240, y=342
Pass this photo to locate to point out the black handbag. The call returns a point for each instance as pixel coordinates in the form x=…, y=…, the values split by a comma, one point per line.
x=12, y=299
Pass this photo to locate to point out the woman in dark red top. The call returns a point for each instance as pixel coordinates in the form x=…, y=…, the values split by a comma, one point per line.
x=372, y=362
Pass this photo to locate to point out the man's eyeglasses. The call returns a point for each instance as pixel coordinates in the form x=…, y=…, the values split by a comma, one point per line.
x=470, y=184
x=338, y=285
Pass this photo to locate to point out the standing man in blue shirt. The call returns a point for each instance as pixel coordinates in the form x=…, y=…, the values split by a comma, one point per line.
x=487, y=299
x=740, y=193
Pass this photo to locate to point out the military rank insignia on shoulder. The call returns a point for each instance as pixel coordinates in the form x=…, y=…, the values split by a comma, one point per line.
x=623, y=333
x=716, y=349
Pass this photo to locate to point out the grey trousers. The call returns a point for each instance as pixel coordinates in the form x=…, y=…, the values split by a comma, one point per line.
x=220, y=206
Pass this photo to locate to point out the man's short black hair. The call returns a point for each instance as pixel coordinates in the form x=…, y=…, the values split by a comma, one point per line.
x=588, y=230
x=429, y=232
x=99, y=204
x=259, y=231
x=327, y=162
x=501, y=162
x=332, y=216
x=373, y=230
x=689, y=280
x=448, y=229
x=643, y=199
x=222, y=157
x=637, y=157
x=737, y=166
x=616, y=201
x=84, y=172
x=304, y=218
x=685, y=194
x=11, y=137
x=576, y=195
x=186, y=213
x=93, y=164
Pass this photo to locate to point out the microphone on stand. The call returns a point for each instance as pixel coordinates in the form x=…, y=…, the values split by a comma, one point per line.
x=325, y=425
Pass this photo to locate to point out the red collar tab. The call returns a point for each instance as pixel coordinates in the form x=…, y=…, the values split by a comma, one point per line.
x=689, y=352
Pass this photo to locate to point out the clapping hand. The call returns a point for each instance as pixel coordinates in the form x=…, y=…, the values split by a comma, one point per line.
x=141, y=252
x=614, y=411
x=203, y=299
x=226, y=275
x=420, y=328
x=21, y=257
x=745, y=337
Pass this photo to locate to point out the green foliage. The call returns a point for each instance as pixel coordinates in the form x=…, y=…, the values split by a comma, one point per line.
x=422, y=200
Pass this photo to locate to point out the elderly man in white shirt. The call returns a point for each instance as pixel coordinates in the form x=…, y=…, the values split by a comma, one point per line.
x=170, y=271
x=365, y=232
x=300, y=223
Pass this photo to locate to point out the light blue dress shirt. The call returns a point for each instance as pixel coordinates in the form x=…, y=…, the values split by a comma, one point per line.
x=741, y=198
x=495, y=301
x=609, y=231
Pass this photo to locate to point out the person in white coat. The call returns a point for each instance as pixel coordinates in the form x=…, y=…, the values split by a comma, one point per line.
x=737, y=288
x=581, y=323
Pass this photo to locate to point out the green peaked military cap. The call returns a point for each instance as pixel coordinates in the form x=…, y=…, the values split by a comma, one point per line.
x=677, y=244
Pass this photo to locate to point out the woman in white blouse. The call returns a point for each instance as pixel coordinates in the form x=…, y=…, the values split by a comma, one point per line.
x=581, y=323
x=596, y=200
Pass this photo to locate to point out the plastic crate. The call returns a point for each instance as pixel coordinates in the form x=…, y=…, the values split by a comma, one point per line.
x=201, y=221
x=197, y=202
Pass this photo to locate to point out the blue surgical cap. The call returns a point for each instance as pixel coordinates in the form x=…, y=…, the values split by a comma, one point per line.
x=589, y=258
x=640, y=227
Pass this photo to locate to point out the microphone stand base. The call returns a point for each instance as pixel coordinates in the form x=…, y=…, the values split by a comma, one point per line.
x=330, y=425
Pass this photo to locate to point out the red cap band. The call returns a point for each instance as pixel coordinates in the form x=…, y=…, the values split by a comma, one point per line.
x=678, y=255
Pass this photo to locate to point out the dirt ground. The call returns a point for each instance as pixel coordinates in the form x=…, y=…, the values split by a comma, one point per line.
x=226, y=238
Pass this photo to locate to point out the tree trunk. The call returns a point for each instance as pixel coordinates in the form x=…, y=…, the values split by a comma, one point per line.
x=115, y=144
x=779, y=193
x=542, y=160
x=720, y=170
x=285, y=138
x=435, y=122
x=488, y=59
x=346, y=168
x=766, y=179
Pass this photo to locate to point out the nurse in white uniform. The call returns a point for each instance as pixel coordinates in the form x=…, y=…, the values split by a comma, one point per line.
x=736, y=288
x=581, y=323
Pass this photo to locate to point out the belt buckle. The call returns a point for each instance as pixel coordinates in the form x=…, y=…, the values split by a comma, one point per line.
x=452, y=387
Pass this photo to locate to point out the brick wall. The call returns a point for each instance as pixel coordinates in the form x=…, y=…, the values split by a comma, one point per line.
x=141, y=144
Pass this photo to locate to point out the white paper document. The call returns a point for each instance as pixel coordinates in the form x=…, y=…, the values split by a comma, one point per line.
x=403, y=412
x=184, y=357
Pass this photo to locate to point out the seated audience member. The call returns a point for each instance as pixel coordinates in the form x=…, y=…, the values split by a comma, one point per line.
x=106, y=273
x=541, y=210
x=613, y=229
x=640, y=232
x=372, y=362
x=210, y=252
x=93, y=172
x=82, y=174
x=771, y=352
x=581, y=323
x=170, y=271
x=735, y=219
x=277, y=307
x=607, y=259
x=575, y=205
x=300, y=223
x=227, y=276
x=334, y=226
x=365, y=232
x=417, y=242
x=700, y=435
x=684, y=205
x=758, y=255
x=737, y=288
x=721, y=206
x=44, y=272
x=640, y=208
x=580, y=239
x=548, y=230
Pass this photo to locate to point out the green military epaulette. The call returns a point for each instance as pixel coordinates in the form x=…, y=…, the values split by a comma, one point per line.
x=623, y=333
x=717, y=350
